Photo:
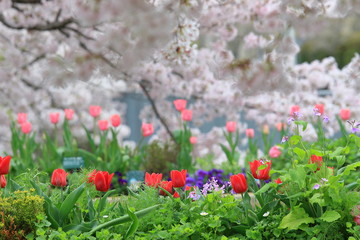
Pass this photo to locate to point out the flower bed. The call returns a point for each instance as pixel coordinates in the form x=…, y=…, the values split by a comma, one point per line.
x=298, y=190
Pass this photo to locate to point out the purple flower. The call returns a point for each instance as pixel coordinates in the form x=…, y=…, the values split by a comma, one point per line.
x=290, y=120
x=284, y=139
x=325, y=119
x=316, y=186
x=354, y=130
x=316, y=112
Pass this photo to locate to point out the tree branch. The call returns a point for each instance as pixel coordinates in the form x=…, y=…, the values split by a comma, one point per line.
x=39, y=27
x=153, y=105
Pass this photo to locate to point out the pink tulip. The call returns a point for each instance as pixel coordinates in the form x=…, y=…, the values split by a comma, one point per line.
x=69, y=113
x=345, y=114
x=186, y=115
x=274, y=152
x=95, y=111
x=21, y=118
x=294, y=108
x=54, y=117
x=147, y=129
x=193, y=140
x=250, y=133
x=231, y=126
x=103, y=125
x=320, y=108
x=26, y=127
x=180, y=104
x=115, y=120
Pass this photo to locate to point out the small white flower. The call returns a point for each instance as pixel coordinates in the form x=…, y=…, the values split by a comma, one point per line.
x=266, y=214
x=105, y=216
x=203, y=213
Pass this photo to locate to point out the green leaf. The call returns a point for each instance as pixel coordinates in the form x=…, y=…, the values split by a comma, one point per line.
x=102, y=202
x=337, y=152
x=264, y=188
x=298, y=175
x=317, y=198
x=70, y=201
x=301, y=153
x=123, y=219
x=302, y=123
x=134, y=225
x=330, y=216
x=295, y=218
x=295, y=139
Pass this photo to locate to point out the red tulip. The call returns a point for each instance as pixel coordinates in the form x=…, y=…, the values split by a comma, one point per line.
x=26, y=127
x=180, y=104
x=2, y=181
x=168, y=186
x=238, y=183
x=274, y=152
x=103, y=125
x=262, y=174
x=147, y=129
x=115, y=120
x=91, y=176
x=320, y=108
x=58, y=177
x=153, y=180
x=176, y=195
x=69, y=113
x=345, y=114
x=178, y=178
x=231, y=126
x=21, y=118
x=95, y=111
x=54, y=117
x=294, y=108
x=250, y=133
x=193, y=140
x=278, y=181
x=317, y=160
x=5, y=165
x=102, y=181
x=357, y=219
x=186, y=115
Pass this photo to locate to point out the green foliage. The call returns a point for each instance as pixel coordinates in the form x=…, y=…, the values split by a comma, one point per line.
x=18, y=213
x=160, y=157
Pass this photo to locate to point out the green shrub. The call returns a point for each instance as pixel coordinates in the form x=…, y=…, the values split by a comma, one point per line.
x=160, y=157
x=18, y=214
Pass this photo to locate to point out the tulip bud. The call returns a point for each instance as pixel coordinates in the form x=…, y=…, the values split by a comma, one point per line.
x=147, y=129
x=54, y=117
x=193, y=140
x=26, y=127
x=95, y=111
x=250, y=133
x=231, y=126
x=294, y=108
x=186, y=115
x=180, y=104
x=58, y=178
x=103, y=125
x=345, y=114
x=266, y=129
x=69, y=113
x=115, y=120
x=21, y=118
x=320, y=108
